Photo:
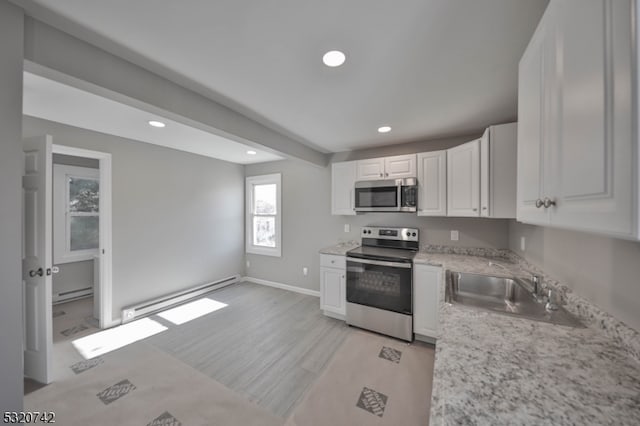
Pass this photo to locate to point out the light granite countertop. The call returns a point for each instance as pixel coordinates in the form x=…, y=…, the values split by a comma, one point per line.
x=493, y=369
x=340, y=249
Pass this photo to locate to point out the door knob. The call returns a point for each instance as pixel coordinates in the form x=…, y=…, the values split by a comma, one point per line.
x=39, y=272
x=539, y=203
x=548, y=202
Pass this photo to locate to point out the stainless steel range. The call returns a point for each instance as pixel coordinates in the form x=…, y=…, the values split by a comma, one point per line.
x=380, y=281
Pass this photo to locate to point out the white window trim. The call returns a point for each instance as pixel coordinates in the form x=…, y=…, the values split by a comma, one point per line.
x=61, y=249
x=275, y=178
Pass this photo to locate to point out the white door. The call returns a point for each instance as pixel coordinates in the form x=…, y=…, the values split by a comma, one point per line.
x=485, y=180
x=343, y=178
x=432, y=183
x=534, y=88
x=426, y=299
x=400, y=166
x=333, y=292
x=372, y=169
x=594, y=159
x=37, y=259
x=463, y=179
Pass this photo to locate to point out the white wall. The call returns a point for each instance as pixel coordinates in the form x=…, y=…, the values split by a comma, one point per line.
x=605, y=271
x=11, y=371
x=309, y=226
x=178, y=218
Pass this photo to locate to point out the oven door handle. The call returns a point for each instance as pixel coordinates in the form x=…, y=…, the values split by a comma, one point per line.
x=380, y=262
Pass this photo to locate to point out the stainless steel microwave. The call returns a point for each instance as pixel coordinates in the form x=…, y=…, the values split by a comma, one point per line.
x=397, y=195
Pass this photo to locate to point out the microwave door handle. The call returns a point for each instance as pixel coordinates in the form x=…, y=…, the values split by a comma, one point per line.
x=399, y=192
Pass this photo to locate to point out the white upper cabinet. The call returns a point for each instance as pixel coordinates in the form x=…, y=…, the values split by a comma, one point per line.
x=399, y=166
x=463, y=180
x=372, y=169
x=432, y=183
x=576, y=149
x=343, y=178
x=498, y=156
x=532, y=91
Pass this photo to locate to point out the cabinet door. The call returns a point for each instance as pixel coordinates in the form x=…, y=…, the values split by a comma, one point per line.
x=343, y=178
x=427, y=282
x=372, y=169
x=432, y=183
x=531, y=97
x=332, y=290
x=400, y=166
x=485, y=181
x=593, y=160
x=463, y=179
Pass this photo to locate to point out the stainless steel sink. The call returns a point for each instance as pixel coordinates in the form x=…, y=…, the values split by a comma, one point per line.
x=510, y=296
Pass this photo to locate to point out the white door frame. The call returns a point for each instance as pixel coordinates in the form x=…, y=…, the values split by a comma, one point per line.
x=105, y=252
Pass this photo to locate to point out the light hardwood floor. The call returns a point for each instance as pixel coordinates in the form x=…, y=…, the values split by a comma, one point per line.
x=268, y=345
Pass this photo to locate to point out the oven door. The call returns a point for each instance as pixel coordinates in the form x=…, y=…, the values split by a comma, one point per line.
x=380, y=284
x=382, y=196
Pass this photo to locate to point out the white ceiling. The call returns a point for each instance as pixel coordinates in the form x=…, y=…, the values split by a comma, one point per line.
x=428, y=68
x=50, y=100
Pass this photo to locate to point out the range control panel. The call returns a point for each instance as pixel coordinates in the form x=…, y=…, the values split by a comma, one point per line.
x=389, y=233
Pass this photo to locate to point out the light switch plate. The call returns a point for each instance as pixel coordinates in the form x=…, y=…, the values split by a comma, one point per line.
x=305, y=271
x=347, y=227
x=455, y=235
x=522, y=243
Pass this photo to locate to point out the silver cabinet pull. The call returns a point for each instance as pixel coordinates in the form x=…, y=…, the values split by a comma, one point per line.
x=539, y=203
x=381, y=175
x=475, y=210
x=548, y=202
x=484, y=208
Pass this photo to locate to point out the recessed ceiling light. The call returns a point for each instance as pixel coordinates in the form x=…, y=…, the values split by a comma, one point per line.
x=251, y=152
x=333, y=58
x=155, y=123
x=384, y=129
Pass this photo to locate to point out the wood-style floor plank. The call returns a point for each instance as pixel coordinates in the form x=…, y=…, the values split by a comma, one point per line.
x=268, y=345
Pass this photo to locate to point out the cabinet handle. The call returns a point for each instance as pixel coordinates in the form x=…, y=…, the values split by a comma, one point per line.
x=539, y=203
x=475, y=210
x=548, y=202
x=386, y=174
x=484, y=208
x=380, y=174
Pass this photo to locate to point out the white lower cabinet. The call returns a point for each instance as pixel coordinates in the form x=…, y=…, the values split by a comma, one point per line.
x=427, y=281
x=333, y=296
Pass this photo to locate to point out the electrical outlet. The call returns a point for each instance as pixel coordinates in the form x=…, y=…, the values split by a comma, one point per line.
x=305, y=271
x=455, y=235
x=347, y=227
x=522, y=241
x=128, y=314
x=248, y=264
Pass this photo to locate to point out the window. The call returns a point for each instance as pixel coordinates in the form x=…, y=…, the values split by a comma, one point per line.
x=76, y=213
x=264, y=227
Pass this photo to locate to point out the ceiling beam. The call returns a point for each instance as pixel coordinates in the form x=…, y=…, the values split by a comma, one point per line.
x=57, y=55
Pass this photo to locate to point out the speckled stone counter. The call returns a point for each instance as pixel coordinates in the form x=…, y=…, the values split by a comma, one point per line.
x=493, y=369
x=340, y=249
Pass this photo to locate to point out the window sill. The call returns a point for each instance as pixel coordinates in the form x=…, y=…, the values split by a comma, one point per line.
x=76, y=258
x=274, y=252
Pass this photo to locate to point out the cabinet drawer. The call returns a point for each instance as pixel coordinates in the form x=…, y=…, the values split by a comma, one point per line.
x=333, y=261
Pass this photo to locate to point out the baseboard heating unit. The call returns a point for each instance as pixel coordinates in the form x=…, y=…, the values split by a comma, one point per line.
x=152, y=306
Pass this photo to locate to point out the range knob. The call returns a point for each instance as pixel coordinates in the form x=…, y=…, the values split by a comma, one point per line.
x=414, y=234
x=408, y=234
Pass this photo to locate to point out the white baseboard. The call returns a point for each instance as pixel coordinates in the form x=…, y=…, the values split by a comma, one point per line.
x=282, y=286
x=334, y=315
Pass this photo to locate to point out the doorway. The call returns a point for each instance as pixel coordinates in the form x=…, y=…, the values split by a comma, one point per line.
x=84, y=232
